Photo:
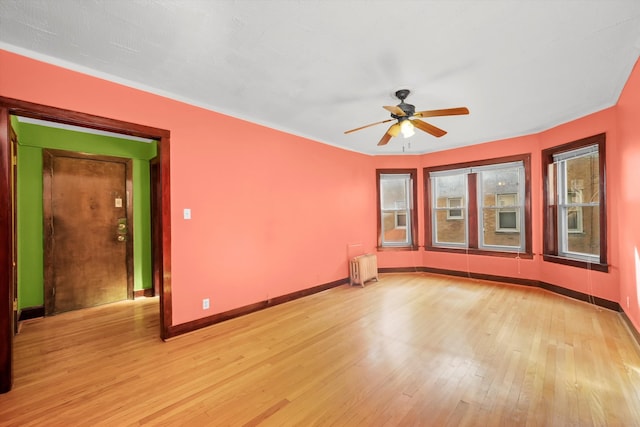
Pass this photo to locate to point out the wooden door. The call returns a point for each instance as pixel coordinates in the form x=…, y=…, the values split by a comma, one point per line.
x=87, y=230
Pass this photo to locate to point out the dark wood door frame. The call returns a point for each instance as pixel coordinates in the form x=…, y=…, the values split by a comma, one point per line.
x=161, y=212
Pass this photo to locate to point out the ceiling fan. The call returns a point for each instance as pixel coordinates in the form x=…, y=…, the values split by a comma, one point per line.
x=408, y=119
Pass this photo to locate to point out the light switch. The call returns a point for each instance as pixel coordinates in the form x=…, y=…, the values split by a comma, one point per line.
x=187, y=214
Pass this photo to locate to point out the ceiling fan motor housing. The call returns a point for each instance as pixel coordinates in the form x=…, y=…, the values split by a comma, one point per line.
x=409, y=110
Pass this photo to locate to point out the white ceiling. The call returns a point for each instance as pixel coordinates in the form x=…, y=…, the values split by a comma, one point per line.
x=316, y=68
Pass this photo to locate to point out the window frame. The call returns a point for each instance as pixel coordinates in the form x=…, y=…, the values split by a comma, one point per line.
x=551, y=249
x=473, y=218
x=412, y=223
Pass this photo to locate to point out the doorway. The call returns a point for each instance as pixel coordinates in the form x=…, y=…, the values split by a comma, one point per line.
x=160, y=214
x=88, y=245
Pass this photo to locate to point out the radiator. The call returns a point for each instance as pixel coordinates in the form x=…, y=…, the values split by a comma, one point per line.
x=362, y=269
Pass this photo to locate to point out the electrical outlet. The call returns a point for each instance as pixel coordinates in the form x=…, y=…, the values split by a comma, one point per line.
x=205, y=304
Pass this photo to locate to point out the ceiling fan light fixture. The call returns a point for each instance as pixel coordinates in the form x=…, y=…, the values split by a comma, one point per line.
x=394, y=130
x=406, y=127
x=403, y=114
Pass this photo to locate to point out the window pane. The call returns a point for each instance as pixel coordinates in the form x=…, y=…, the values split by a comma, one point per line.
x=501, y=228
x=401, y=219
x=394, y=194
x=583, y=224
x=507, y=220
x=454, y=202
x=390, y=232
x=450, y=224
x=579, y=211
x=452, y=186
x=502, y=181
x=582, y=179
x=395, y=201
x=449, y=230
x=501, y=207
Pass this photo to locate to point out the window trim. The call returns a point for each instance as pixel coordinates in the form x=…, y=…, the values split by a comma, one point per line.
x=550, y=227
x=472, y=208
x=413, y=223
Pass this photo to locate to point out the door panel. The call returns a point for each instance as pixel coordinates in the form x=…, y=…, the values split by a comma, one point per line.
x=87, y=231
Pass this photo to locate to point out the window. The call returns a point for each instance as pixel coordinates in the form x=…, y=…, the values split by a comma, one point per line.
x=454, y=202
x=451, y=229
x=479, y=207
x=575, y=213
x=507, y=217
x=397, y=223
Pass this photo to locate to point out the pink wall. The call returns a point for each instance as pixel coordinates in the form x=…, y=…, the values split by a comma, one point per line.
x=266, y=220
x=622, y=126
x=627, y=170
x=260, y=209
x=604, y=285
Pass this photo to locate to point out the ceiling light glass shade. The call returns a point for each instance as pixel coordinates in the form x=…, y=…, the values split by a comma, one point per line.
x=394, y=130
x=406, y=127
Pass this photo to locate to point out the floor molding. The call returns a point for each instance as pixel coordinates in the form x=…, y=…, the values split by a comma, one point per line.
x=194, y=325
x=611, y=305
x=174, y=331
x=601, y=302
x=148, y=293
x=31, y=313
x=632, y=329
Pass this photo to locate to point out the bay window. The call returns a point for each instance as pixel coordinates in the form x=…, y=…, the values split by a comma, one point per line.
x=479, y=207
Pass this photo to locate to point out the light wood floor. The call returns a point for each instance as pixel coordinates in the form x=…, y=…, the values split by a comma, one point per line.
x=412, y=349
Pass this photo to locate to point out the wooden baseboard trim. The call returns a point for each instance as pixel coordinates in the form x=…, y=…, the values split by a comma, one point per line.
x=634, y=332
x=183, y=328
x=148, y=293
x=611, y=305
x=38, y=311
x=601, y=302
x=31, y=313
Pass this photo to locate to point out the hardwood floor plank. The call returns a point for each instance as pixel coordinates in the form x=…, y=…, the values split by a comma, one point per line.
x=411, y=349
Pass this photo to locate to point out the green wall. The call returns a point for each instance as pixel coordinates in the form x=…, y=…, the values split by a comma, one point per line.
x=31, y=140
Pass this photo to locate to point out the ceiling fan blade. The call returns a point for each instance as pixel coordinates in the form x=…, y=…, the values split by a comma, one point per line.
x=385, y=139
x=445, y=112
x=394, y=109
x=424, y=126
x=366, y=126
